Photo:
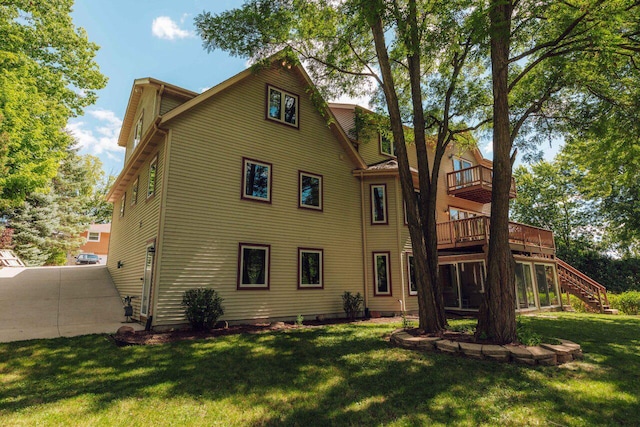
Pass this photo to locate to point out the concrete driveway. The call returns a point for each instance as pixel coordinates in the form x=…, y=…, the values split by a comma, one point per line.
x=50, y=302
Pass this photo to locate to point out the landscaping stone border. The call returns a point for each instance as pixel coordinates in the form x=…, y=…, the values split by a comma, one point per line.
x=543, y=354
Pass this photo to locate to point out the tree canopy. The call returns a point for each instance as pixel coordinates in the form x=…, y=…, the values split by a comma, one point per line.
x=47, y=75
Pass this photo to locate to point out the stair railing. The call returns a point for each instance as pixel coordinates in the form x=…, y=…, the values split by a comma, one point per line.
x=584, y=282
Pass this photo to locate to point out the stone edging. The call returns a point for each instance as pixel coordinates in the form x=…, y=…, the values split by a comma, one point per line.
x=543, y=354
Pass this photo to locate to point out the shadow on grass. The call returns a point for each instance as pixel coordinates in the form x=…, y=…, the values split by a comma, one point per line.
x=339, y=375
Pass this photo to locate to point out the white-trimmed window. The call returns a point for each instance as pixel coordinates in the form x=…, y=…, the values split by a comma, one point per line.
x=387, y=147
x=310, y=268
x=93, y=236
x=134, y=191
x=253, y=266
x=456, y=214
x=404, y=205
x=256, y=180
x=381, y=274
x=411, y=275
x=282, y=106
x=137, y=132
x=310, y=191
x=153, y=173
x=123, y=199
x=379, y=204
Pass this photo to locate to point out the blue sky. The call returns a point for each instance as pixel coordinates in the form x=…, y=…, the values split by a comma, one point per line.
x=145, y=38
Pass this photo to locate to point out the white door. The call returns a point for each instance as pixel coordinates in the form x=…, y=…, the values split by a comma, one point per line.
x=146, y=280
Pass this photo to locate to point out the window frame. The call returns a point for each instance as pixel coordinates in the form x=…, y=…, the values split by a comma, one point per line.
x=243, y=189
x=320, y=178
x=411, y=292
x=319, y=251
x=372, y=188
x=134, y=191
x=267, y=270
x=152, y=191
x=283, y=95
x=137, y=131
x=89, y=239
x=392, y=146
x=387, y=255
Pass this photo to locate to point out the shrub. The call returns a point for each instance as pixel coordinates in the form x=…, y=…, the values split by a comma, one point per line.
x=203, y=307
x=578, y=305
x=352, y=304
x=627, y=302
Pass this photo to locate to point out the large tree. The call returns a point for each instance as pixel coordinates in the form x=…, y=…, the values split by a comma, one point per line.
x=47, y=75
x=424, y=57
x=548, y=59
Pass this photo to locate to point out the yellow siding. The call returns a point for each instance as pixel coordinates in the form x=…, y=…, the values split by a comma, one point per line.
x=129, y=234
x=169, y=102
x=147, y=108
x=205, y=217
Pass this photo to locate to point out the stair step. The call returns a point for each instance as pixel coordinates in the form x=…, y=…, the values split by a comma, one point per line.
x=610, y=311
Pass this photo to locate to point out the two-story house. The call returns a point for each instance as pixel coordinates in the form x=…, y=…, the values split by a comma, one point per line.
x=254, y=190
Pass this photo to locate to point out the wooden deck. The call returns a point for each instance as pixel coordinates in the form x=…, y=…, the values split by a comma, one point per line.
x=474, y=183
x=470, y=232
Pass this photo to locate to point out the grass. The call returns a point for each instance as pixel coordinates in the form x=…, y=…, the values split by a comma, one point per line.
x=337, y=375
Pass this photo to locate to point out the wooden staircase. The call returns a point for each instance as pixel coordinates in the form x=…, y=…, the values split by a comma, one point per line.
x=592, y=293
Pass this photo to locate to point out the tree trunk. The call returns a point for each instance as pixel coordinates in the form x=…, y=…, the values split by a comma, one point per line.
x=430, y=308
x=496, y=320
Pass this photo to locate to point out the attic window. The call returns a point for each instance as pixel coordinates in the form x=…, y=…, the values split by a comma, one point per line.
x=282, y=106
x=137, y=132
x=387, y=147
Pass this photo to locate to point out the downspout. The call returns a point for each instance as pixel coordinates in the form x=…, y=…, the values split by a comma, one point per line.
x=364, y=242
x=399, y=221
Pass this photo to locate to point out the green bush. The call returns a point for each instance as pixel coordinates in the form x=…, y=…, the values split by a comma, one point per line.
x=203, y=307
x=578, y=305
x=627, y=302
x=352, y=304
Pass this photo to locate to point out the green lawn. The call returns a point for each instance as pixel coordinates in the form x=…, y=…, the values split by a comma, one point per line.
x=338, y=375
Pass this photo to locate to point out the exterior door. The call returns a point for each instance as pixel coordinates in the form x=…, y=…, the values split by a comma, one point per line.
x=147, y=279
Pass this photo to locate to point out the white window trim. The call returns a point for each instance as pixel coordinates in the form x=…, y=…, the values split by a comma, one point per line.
x=267, y=249
x=320, y=285
x=412, y=293
x=123, y=201
x=89, y=239
x=135, y=189
x=391, y=146
x=283, y=95
x=245, y=162
x=384, y=204
x=302, y=174
x=387, y=257
x=152, y=191
x=461, y=159
x=137, y=131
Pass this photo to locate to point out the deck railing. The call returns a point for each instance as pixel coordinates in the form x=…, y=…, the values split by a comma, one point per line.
x=474, y=176
x=474, y=231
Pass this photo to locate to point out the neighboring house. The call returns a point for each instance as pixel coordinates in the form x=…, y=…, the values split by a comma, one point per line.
x=252, y=189
x=97, y=241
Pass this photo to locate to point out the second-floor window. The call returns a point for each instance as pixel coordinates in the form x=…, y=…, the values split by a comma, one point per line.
x=153, y=172
x=387, y=147
x=282, y=106
x=310, y=191
x=93, y=236
x=256, y=180
x=122, y=202
x=134, y=192
x=379, y=204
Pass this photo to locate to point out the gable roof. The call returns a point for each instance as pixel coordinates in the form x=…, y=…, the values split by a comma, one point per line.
x=134, y=100
x=299, y=70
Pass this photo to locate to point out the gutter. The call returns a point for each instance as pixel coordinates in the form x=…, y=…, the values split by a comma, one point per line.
x=364, y=242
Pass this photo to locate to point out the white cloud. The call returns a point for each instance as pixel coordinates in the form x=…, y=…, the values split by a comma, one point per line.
x=102, y=139
x=164, y=27
x=488, y=147
x=204, y=89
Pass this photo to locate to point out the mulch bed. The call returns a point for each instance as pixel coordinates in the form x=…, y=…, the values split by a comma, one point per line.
x=153, y=337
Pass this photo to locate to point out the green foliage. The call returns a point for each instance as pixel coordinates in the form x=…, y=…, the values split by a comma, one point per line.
x=299, y=320
x=203, y=307
x=47, y=75
x=627, y=302
x=352, y=304
x=47, y=226
x=578, y=305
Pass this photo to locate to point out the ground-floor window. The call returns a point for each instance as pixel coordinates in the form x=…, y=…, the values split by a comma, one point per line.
x=253, y=266
x=411, y=275
x=381, y=273
x=310, y=268
x=462, y=284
